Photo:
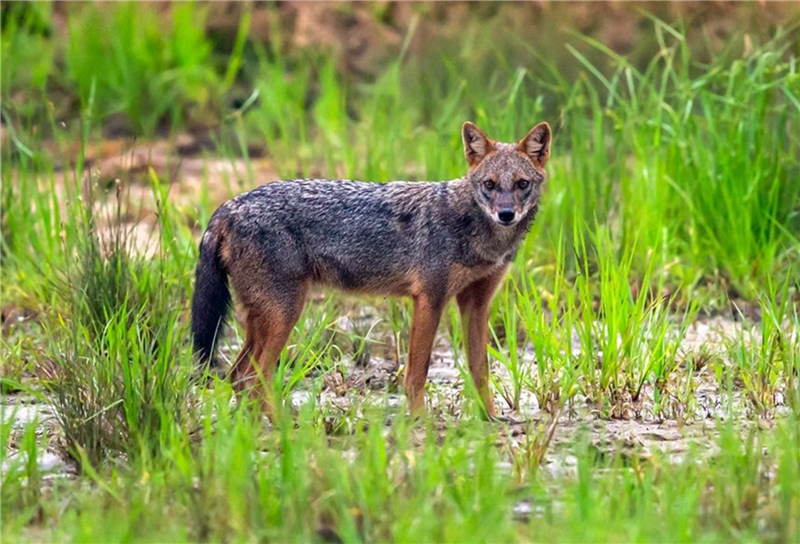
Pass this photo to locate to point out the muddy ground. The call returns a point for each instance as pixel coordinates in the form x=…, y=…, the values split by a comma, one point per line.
x=634, y=429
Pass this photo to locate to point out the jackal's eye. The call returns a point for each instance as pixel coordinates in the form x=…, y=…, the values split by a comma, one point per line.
x=523, y=184
x=488, y=185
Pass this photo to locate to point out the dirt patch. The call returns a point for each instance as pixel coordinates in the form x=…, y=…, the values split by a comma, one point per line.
x=363, y=36
x=128, y=170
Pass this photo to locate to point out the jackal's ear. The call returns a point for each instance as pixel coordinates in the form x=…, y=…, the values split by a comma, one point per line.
x=536, y=144
x=476, y=144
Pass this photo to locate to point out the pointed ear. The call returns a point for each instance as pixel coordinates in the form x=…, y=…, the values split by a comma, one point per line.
x=536, y=144
x=476, y=144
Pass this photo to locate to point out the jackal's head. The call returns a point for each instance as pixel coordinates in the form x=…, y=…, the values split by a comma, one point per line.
x=507, y=178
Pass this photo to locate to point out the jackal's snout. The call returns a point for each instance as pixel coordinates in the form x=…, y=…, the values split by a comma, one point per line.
x=506, y=216
x=505, y=204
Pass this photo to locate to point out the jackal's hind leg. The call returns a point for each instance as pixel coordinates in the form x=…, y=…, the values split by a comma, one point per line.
x=268, y=331
x=242, y=370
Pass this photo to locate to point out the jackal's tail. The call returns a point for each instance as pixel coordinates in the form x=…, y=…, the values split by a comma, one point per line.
x=212, y=298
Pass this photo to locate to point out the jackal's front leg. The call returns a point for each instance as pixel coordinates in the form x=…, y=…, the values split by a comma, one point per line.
x=423, y=330
x=474, y=303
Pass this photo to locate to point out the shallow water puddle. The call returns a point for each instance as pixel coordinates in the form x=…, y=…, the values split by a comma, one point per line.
x=21, y=412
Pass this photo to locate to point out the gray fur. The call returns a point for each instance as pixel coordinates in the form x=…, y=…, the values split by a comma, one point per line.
x=368, y=237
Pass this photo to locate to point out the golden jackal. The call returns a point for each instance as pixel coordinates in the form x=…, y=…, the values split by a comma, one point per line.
x=427, y=241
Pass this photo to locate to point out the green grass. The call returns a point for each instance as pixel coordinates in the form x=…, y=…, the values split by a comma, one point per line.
x=295, y=482
x=673, y=196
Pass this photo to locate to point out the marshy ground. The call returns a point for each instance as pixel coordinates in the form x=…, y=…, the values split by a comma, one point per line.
x=645, y=347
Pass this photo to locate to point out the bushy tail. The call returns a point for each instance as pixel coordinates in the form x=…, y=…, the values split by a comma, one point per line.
x=211, y=300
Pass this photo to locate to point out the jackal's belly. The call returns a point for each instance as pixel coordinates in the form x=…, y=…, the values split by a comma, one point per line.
x=365, y=276
x=406, y=278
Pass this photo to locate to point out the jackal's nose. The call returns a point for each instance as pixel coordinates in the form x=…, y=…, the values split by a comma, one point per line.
x=506, y=216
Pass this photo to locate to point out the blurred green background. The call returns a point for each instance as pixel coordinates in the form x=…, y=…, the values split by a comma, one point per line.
x=672, y=208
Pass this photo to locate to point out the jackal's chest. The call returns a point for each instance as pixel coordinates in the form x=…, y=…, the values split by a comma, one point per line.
x=460, y=277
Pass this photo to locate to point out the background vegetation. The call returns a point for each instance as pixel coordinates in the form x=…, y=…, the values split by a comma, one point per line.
x=673, y=201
